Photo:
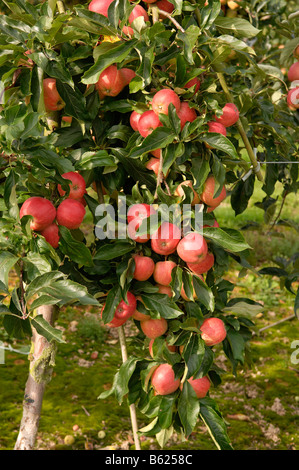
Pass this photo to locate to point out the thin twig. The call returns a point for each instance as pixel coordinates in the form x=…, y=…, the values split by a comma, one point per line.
x=279, y=213
x=159, y=175
x=168, y=15
x=277, y=323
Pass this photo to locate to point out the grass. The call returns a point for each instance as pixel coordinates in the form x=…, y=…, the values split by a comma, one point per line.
x=260, y=405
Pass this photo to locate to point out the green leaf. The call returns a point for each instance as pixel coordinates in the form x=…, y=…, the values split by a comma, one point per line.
x=188, y=408
x=214, y=422
x=163, y=436
x=90, y=160
x=220, y=142
x=239, y=26
x=77, y=251
x=115, y=55
x=7, y=262
x=204, y=293
x=161, y=304
x=229, y=239
x=159, y=138
x=45, y=329
x=113, y=298
x=113, y=250
x=237, y=344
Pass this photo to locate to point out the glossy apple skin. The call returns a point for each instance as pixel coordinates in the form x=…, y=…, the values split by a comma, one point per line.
x=200, y=386
x=204, y=266
x=144, y=267
x=162, y=272
x=293, y=99
x=100, y=6
x=134, y=119
x=154, y=328
x=163, y=380
x=230, y=115
x=195, y=81
x=153, y=164
x=111, y=82
x=163, y=98
x=169, y=347
x=207, y=195
x=186, y=114
x=70, y=213
x=42, y=210
x=136, y=214
x=165, y=290
x=51, y=234
x=148, y=122
x=180, y=191
x=165, y=240
x=123, y=311
x=77, y=186
x=52, y=99
x=127, y=75
x=293, y=73
x=217, y=128
x=213, y=331
x=192, y=248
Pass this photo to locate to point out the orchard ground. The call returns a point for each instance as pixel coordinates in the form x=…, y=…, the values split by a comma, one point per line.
x=261, y=406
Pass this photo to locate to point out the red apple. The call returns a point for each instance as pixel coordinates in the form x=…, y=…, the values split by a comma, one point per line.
x=148, y=122
x=165, y=290
x=293, y=73
x=162, y=272
x=163, y=380
x=230, y=115
x=138, y=11
x=123, y=311
x=165, y=5
x=186, y=114
x=153, y=164
x=165, y=239
x=195, y=81
x=127, y=75
x=204, y=266
x=138, y=315
x=217, y=128
x=135, y=216
x=200, y=386
x=52, y=99
x=180, y=191
x=134, y=119
x=156, y=153
x=70, y=213
x=144, y=267
x=42, y=211
x=192, y=248
x=213, y=331
x=293, y=99
x=111, y=82
x=51, y=234
x=68, y=119
x=77, y=186
x=153, y=328
x=163, y=98
x=207, y=195
x=100, y=6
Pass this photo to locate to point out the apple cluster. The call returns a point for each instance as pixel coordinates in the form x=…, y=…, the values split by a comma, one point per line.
x=69, y=213
x=293, y=77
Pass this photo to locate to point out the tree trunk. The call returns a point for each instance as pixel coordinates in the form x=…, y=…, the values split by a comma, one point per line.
x=42, y=361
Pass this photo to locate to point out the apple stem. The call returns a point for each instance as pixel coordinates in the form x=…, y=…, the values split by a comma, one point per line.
x=124, y=354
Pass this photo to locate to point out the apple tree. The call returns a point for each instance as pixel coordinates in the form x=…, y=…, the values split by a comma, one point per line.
x=121, y=109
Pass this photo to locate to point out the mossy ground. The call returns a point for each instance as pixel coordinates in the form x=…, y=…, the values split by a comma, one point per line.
x=260, y=405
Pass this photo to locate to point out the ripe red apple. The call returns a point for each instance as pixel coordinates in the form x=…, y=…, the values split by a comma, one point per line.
x=111, y=82
x=195, y=81
x=70, y=213
x=169, y=347
x=134, y=119
x=100, y=6
x=180, y=191
x=68, y=119
x=217, y=128
x=154, y=328
x=144, y=267
x=164, y=241
x=162, y=272
x=123, y=311
x=163, y=380
x=153, y=164
x=163, y=98
x=213, y=331
x=165, y=5
x=165, y=290
x=204, y=266
x=77, y=186
x=296, y=52
x=52, y=99
x=51, y=234
x=186, y=114
x=230, y=115
x=127, y=75
x=200, y=386
x=136, y=214
x=207, y=195
x=293, y=99
x=156, y=153
x=148, y=122
x=192, y=248
x=42, y=211
x=293, y=73
x=138, y=11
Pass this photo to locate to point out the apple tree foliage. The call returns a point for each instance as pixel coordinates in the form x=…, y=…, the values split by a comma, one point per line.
x=37, y=148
